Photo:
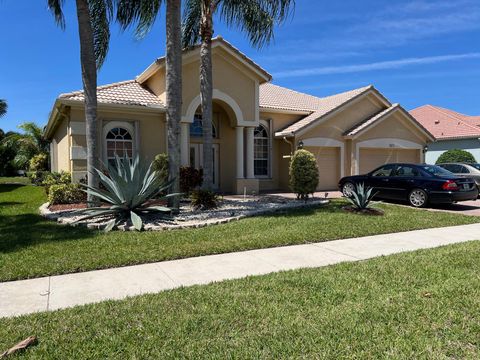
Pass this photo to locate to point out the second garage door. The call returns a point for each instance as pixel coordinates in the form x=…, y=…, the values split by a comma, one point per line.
x=373, y=158
x=328, y=160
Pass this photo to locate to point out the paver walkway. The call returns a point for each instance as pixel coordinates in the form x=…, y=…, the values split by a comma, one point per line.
x=62, y=291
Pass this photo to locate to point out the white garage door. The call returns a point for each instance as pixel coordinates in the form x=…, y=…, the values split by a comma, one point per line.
x=328, y=161
x=370, y=159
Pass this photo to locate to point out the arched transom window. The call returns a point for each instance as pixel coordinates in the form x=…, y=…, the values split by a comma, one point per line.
x=261, y=152
x=196, y=127
x=119, y=142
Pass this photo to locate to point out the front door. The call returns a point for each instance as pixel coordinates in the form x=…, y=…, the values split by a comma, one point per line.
x=196, y=161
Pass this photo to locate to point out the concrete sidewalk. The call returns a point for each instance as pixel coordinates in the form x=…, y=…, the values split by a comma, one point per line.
x=63, y=291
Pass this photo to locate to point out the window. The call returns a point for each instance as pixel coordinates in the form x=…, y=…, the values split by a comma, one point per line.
x=383, y=171
x=407, y=171
x=119, y=142
x=261, y=152
x=196, y=127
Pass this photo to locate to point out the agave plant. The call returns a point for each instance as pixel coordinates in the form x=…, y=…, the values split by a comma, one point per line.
x=361, y=197
x=128, y=186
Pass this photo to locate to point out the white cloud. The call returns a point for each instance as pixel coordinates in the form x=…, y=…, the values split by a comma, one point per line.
x=382, y=65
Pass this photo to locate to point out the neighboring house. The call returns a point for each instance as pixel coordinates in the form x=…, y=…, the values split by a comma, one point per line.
x=257, y=125
x=451, y=130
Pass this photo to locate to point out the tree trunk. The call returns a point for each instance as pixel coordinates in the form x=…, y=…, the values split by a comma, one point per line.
x=89, y=78
x=173, y=63
x=206, y=91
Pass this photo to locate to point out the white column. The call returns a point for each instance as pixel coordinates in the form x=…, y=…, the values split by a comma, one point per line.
x=240, y=155
x=249, y=152
x=184, y=148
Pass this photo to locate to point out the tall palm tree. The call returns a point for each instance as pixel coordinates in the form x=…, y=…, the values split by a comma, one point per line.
x=93, y=18
x=3, y=107
x=143, y=13
x=257, y=18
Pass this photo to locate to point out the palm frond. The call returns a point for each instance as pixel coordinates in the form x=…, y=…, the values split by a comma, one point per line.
x=55, y=7
x=3, y=107
x=101, y=14
x=138, y=13
x=257, y=18
x=191, y=23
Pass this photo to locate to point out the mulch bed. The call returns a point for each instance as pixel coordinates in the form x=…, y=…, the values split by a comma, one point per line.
x=369, y=211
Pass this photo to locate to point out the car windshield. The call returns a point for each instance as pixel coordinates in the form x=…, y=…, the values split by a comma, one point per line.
x=476, y=166
x=436, y=170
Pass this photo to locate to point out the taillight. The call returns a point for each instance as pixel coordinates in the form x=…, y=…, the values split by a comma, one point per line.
x=450, y=185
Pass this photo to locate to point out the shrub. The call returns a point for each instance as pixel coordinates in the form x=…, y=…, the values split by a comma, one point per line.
x=65, y=194
x=456, y=155
x=190, y=178
x=303, y=174
x=38, y=162
x=56, y=178
x=38, y=177
x=204, y=199
x=160, y=166
x=129, y=186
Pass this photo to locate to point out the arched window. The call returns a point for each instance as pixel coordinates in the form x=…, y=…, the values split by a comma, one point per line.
x=119, y=142
x=261, y=152
x=196, y=127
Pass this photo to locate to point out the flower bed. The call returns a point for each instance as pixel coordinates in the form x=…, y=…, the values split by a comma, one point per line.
x=229, y=209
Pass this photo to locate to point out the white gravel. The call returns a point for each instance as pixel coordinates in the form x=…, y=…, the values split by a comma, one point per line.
x=229, y=209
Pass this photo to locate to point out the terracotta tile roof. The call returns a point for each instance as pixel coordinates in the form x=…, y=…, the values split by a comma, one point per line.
x=447, y=124
x=276, y=97
x=128, y=92
x=364, y=124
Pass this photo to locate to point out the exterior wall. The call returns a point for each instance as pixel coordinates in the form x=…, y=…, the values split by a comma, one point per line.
x=279, y=166
x=337, y=124
x=437, y=148
x=61, y=148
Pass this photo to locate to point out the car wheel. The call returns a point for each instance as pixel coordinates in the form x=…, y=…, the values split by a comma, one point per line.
x=418, y=198
x=347, y=189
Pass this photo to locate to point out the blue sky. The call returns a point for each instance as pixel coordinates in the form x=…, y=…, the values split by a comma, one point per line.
x=414, y=51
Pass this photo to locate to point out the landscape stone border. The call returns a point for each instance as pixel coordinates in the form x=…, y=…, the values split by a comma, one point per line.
x=290, y=205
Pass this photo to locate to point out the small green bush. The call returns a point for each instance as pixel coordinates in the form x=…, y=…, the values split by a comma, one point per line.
x=65, y=194
x=456, y=155
x=38, y=162
x=56, y=178
x=190, y=178
x=37, y=177
x=303, y=173
x=204, y=199
x=160, y=166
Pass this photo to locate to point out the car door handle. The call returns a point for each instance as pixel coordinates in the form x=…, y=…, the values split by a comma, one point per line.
x=385, y=179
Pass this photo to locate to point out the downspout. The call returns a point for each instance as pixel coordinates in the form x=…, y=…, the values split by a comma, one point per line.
x=292, y=147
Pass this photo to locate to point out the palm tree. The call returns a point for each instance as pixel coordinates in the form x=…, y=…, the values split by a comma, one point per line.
x=31, y=142
x=93, y=18
x=255, y=17
x=3, y=107
x=144, y=12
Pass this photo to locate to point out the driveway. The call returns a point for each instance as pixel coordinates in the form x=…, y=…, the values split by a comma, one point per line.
x=464, y=207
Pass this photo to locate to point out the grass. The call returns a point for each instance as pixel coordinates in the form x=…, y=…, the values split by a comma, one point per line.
x=15, y=180
x=31, y=246
x=420, y=305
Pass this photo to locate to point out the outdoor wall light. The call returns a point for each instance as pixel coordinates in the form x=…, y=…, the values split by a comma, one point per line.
x=425, y=149
x=300, y=145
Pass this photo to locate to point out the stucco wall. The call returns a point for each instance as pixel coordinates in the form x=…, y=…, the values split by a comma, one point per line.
x=61, y=147
x=437, y=148
x=337, y=124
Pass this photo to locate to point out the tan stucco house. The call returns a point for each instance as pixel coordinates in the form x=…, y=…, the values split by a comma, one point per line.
x=256, y=125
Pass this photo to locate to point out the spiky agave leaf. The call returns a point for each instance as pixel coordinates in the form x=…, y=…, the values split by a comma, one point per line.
x=129, y=185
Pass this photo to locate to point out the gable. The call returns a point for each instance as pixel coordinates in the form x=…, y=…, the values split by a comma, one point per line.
x=335, y=125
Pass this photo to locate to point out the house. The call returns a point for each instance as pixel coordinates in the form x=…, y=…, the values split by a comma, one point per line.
x=256, y=125
x=451, y=130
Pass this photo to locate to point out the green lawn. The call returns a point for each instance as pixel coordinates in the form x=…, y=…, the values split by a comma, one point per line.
x=15, y=180
x=420, y=305
x=31, y=246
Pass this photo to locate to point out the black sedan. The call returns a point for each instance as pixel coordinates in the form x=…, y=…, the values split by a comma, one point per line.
x=418, y=184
